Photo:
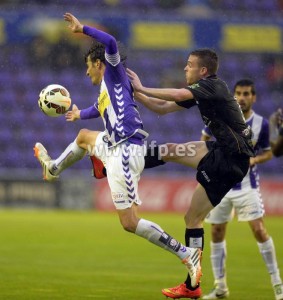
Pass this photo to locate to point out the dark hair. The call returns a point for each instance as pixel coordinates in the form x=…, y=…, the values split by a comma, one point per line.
x=246, y=82
x=97, y=51
x=208, y=59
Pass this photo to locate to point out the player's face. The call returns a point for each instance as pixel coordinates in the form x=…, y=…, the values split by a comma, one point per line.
x=244, y=97
x=193, y=70
x=94, y=71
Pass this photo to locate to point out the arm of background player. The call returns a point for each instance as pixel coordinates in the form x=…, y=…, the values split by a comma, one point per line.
x=174, y=95
x=263, y=144
x=156, y=105
x=261, y=158
x=277, y=146
x=108, y=40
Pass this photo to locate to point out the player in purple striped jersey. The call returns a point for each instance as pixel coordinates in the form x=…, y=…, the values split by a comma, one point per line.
x=245, y=199
x=120, y=147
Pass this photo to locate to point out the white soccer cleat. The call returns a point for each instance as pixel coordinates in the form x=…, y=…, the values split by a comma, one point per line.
x=278, y=291
x=45, y=160
x=217, y=294
x=192, y=262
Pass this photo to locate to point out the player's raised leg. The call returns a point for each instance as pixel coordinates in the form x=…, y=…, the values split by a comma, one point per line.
x=85, y=141
x=188, y=154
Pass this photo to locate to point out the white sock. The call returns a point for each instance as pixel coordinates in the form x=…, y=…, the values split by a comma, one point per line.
x=267, y=251
x=156, y=235
x=218, y=262
x=71, y=154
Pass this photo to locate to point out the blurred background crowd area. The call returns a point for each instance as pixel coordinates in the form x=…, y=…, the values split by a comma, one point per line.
x=37, y=50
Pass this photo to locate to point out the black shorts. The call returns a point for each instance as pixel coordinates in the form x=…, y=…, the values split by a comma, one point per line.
x=218, y=171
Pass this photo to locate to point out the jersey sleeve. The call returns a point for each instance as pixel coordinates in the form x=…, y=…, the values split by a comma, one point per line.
x=106, y=39
x=111, y=49
x=187, y=103
x=90, y=113
x=263, y=140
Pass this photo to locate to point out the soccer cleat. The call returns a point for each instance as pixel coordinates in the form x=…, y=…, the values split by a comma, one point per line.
x=278, y=291
x=181, y=291
x=98, y=169
x=192, y=262
x=217, y=294
x=41, y=154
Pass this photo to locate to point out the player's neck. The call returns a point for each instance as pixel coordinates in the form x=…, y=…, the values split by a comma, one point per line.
x=248, y=114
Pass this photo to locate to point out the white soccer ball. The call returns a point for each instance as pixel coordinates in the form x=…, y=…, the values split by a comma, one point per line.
x=54, y=100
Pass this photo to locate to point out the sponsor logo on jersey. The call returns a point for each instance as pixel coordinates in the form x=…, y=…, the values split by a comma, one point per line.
x=194, y=86
x=205, y=176
x=103, y=102
x=117, y=196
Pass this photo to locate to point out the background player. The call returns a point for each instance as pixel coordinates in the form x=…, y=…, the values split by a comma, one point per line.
x=120, y=147
x=245, y=198
x=276, y=132
x=221, y=164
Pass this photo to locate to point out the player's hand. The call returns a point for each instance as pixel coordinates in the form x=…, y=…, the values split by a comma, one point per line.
x=137, y=85
x=73, y=115
x=74, y=24
x=252, y=161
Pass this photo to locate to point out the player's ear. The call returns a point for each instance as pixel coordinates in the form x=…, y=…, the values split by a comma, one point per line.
x=97, y=63
x=203, y=71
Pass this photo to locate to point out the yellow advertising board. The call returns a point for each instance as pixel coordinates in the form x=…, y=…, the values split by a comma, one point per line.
x=251, y=38
x=159, y=35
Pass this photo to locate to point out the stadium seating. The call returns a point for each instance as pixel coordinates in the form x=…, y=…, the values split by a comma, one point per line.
x=23, y=81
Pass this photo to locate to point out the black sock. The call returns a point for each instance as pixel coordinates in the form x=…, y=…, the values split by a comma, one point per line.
x=194, y=239
x=152, y=158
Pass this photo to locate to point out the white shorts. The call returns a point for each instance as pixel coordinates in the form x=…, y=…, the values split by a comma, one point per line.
x=124, y=164
x=247, y=204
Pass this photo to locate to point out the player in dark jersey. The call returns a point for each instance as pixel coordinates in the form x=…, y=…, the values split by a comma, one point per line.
x=220, y=164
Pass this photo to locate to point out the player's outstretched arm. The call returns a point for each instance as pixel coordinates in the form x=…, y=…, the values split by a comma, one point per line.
x=74, y=24
x=106, y=39
x=156, y=105
x=84, y=114
x=176, y=95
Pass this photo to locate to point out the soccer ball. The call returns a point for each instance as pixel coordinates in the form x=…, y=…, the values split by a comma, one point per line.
x=54, y=100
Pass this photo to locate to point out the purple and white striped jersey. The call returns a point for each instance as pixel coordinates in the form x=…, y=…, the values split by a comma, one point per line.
x=115, y=104
x=260, y=139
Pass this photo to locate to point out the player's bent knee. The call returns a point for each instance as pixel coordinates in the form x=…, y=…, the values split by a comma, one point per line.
x=86, y=137
x=82, y=135
x=218, y=232
x=128, y=225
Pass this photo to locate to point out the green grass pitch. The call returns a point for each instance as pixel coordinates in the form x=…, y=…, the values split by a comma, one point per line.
x=87, y=255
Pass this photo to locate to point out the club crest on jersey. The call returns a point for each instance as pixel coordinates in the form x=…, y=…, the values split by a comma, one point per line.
x=105, y=139
x=246, y=131
x=194, y=86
